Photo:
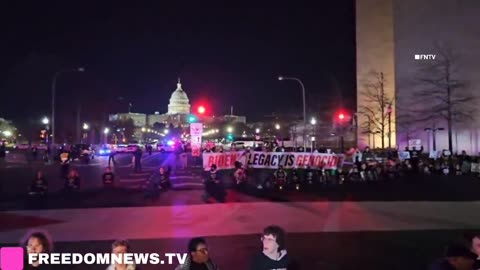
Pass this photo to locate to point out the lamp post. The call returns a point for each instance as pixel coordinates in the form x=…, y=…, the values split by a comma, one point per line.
x=54, y=85
x=389, y=111
x=314, y=123
x=106, y=131
x=46, y=121
x=85, y=131
x=434, y=137
x=281, y=78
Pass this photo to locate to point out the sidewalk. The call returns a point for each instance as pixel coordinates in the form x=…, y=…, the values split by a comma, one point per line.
x=246, y=218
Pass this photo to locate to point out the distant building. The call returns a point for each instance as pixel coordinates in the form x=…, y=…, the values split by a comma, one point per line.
x=177, y=115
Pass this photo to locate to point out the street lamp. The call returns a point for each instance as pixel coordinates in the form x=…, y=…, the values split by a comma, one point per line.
x=277, y=126
x=45, y=121
x=54, y=85
x=389, y=112
x=281, y=78
x=85, y=126
x=7, y=133
x=144, y=129
x=313, y=122
x=166, y=131
x=257, y=130
x=106, y=130
x=229, y=129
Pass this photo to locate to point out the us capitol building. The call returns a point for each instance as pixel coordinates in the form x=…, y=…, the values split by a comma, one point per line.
x=179, y=110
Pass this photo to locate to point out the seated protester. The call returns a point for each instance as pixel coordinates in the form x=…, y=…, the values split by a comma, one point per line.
x=73, y=181
x=274, y=253
x=309, y=175
x=39, y=185
x=445, y=168
x=121, y=247
x=363, y=171
x=108, y=177
x=164, y=178
x=456, y=257
x=37, y=243
x=198, y=257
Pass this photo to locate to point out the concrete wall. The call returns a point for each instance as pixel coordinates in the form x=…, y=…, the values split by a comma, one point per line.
x=375, y=52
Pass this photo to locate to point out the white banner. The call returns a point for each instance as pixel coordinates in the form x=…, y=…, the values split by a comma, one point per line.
x=417, y=143
x=271, y=160
x=196, y=132
x=475, y=168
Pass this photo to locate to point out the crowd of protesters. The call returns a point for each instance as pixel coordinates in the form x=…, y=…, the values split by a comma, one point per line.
x=461, y=254
x=272, y=255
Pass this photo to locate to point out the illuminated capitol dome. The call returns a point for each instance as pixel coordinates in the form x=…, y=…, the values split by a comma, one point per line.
x=179, y=103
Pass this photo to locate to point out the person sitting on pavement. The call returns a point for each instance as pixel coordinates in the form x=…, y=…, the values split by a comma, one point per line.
x=198, y=257
x=108, y=177
x=39, y=185
x=473, y=242
x=72, y=182
x=274, y=253
x=37, y=243
x=121, y=247
x=456, y=257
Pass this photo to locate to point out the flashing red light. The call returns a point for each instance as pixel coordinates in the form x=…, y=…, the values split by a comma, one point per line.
x=201, y=110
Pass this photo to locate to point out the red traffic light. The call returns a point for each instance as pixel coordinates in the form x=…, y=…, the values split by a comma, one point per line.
x=201, y=110
x=341, y=116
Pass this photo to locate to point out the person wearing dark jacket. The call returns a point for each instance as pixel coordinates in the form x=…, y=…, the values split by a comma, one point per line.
x=274, y=253
x=37, y=243
x=72, y=182
x=198, y=257
x=108, y=178
x=39, y=185
x=457, y=257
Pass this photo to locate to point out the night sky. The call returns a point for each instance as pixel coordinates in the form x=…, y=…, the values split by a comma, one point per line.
x=228, y=56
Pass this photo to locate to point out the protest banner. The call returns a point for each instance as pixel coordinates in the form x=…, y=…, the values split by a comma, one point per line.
x=403, y=155
x=271, y=160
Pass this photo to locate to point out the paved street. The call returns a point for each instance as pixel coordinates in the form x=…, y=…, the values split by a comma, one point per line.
x=18, y=172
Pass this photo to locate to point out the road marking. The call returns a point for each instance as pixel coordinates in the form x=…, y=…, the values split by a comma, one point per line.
x=188, y=185
x=185, y=177
x=132, y=180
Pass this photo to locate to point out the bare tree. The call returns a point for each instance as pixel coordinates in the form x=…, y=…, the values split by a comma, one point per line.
x=376, y=105
x=442, y=94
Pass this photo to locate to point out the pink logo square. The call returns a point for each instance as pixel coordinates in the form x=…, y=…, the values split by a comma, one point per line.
x=11, y=258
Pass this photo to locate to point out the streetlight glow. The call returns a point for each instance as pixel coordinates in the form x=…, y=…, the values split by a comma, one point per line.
x=85, y=126
x=80, y=69
x=280, y=78
x=45, y=121
x=166, y=131
x=313, y=121
x=257, y=130
x=229, y=129
x=277, y=126
x=143, y=129
x=7, y=133
x=106, y=130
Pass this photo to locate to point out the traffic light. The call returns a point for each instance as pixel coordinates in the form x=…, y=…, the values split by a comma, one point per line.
x=201, y=109
x=341, y=116
x=192, y=119
x=230, y=137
